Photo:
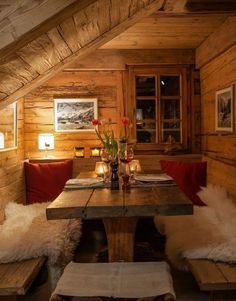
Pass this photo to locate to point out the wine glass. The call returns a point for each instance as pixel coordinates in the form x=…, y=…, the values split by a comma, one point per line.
x=126, y=154
x=106, y=158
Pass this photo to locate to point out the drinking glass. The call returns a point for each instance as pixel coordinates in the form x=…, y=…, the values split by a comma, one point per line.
x=106, y=158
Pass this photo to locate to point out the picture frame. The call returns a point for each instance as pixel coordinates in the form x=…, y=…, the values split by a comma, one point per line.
x=224, y=110
x=8, y=128
x=75, y=114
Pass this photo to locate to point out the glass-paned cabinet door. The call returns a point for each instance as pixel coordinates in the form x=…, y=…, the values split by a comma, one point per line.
x=146, y=106
x=158, y=100
x=145, y=85
x=170, y=99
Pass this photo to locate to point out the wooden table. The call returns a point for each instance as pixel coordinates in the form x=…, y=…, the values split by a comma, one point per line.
x=119, y=211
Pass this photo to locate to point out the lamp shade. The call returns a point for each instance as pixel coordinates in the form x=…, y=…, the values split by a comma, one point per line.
x=46, y=141
x=1, y=140
x=139, y=114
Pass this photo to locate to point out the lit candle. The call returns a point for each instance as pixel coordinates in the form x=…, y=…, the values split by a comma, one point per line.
x=100, y=169
x=79, y=152
x=95, y=152
x=135, y=166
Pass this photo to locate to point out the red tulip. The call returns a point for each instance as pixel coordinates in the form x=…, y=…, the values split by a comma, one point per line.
x=125, y=120
x=95, y=122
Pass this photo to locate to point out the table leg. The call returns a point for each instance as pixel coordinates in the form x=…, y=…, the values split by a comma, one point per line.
x=120, y=233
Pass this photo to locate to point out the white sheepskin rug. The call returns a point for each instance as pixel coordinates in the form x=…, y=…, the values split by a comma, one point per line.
x=210, y=233
x=26, y=233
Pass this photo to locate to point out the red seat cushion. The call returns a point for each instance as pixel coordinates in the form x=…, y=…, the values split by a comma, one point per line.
x=189, y=176
x=45, y=181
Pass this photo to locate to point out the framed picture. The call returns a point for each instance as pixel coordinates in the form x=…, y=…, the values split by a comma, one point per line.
x=224, y=110
x=75, y=115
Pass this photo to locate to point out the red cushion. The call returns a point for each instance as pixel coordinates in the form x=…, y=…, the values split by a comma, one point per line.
x=189, y=176
x=45, y=181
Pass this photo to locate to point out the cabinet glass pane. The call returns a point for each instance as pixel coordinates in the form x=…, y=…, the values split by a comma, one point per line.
x=145, y=134
x=145, y=121
x=145, y=86
x=146, y=109
x=170, y=128
x=170, y=108
x=169, y=85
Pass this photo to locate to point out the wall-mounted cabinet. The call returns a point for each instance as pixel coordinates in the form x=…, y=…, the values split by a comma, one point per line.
x=157, y=106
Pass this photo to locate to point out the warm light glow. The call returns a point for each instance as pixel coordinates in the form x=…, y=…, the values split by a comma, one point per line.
x=101, y=168
x=139, y=114
x=79, y=151
x=1, y=140
x=46, y=141
x=135, y=166
x=95, y=151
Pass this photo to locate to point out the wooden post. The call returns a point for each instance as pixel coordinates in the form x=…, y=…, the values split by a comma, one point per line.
x=120, y=233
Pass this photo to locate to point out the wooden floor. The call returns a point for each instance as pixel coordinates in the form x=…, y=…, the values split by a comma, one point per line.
x=149, y=247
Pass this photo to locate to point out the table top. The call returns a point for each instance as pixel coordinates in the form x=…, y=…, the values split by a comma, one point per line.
x=104, y=202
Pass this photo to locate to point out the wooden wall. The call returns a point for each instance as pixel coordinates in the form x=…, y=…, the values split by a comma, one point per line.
x=101, y=75
x=219, y=148
x=11, y=167
x=106, y=86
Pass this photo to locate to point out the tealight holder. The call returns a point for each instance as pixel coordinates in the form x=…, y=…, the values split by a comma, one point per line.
x=95, y=151
x=79, y=152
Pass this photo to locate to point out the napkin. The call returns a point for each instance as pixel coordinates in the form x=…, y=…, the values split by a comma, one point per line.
x=84, y=183
x=154, y=179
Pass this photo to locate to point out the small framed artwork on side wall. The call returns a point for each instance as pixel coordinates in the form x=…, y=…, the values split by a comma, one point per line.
x=224, y=110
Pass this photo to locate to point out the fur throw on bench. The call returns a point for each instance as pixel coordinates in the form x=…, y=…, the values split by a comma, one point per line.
x=26, y=233
x=210, y=233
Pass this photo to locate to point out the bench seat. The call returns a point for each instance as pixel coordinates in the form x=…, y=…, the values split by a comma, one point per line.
x=16, y=277
x=115, y=279
x=215, y=277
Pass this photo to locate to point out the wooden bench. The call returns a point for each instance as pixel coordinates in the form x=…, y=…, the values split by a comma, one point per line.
x=146, y=280
x=217, y=278
x=16, y=277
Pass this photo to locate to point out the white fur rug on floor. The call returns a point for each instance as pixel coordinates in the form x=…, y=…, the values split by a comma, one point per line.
x=26, y=233
x=210, y=233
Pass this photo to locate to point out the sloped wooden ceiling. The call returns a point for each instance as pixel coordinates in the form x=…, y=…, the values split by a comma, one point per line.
x=31, y=55
x=162, y=31
x=19, y=16
x=74, y=32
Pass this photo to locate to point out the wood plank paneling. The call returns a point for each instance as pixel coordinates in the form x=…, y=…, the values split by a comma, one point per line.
x=167, y=32
x=13, y=16
x=114, y=59
x=218, y=42
x=219, y=172
x=106, y=86
x=11, y=167
x=218, y=73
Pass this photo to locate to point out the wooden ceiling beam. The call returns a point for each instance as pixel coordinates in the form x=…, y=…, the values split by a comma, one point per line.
x=50, y=23
x=210, y=5
x=175, y=6
x=136, y=10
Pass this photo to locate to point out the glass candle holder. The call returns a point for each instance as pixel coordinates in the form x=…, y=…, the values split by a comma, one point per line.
x=79, y=152
x=95, y=151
